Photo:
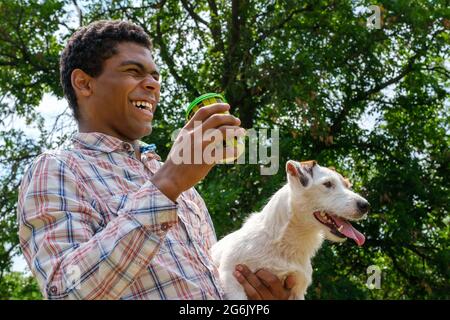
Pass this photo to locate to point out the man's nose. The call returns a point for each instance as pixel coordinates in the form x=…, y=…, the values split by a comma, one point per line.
x=151, y=84
x=363, y=206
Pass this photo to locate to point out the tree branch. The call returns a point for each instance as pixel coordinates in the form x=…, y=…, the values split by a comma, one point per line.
x=337, y=123
x=165, y=55
x=123, y=9
x=439, y=70
x=192, y=13
x=215, y=27
x=235, y=34
x=265, y=34
x=3, y=267
x=80, y=13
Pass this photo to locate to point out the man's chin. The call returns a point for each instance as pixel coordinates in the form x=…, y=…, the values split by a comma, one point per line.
x=136, y=135
x=145, y=131
x=148, y=132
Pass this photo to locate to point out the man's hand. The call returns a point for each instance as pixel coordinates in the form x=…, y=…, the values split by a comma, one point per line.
x=174, y=177
x=263, y=285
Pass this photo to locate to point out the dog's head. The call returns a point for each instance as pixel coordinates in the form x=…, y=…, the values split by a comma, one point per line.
x=328, y=200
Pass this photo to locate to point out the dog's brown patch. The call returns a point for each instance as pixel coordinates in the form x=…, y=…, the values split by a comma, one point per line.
x=308, y=166
x=346, y=182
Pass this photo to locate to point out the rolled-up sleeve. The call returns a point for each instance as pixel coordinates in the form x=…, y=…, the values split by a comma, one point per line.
x=71, y=257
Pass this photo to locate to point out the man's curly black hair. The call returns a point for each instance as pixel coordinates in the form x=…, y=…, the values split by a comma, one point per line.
x=89, y=46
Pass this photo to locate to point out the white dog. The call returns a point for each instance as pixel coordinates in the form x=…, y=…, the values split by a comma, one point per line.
x=315, y=204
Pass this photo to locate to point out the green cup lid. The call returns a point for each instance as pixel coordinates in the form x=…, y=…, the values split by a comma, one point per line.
x=201, y=98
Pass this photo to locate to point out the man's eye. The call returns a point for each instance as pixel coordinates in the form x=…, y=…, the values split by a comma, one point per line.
x=133, y=70
x=328, y=184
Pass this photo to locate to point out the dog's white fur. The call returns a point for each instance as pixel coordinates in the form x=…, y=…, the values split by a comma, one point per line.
x=284, y=236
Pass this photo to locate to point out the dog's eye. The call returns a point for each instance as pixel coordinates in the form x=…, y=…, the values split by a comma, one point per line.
x=328, y=184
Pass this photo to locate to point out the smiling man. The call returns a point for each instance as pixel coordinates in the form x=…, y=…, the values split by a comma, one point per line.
x=103, y=218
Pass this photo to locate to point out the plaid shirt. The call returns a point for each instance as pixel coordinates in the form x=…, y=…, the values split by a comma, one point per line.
x=93, y=226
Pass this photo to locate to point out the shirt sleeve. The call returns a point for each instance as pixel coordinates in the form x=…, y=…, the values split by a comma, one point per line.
x=210, y=234
x=71, y=257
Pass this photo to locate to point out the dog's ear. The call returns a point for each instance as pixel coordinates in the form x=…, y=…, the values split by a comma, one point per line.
x=291, y=168
x=302, y=171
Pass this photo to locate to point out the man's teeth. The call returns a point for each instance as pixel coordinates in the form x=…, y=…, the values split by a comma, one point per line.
x=340, y=228
x=142, y=104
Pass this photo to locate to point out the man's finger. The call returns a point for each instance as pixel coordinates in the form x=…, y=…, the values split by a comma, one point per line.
x=251, y=293
x=255, y=283
x=224, y=133
x=290, y=282
x=218, y=119
x=205, y=112
x=272, y=282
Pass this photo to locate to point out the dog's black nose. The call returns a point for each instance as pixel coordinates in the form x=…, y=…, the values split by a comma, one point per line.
x=363, y=206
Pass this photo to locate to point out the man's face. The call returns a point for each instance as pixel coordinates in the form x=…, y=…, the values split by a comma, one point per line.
x=128, y=77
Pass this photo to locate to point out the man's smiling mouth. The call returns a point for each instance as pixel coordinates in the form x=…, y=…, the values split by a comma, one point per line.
x=144, y=107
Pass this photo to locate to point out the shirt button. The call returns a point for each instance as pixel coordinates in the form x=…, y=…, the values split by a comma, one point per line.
x=53, y=290
x=164, y=226
x=126, y=146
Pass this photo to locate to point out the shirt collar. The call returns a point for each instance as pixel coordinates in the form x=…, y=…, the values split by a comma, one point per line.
x=103, y=142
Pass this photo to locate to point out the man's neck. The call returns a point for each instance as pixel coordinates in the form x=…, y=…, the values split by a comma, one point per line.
x=137, y=149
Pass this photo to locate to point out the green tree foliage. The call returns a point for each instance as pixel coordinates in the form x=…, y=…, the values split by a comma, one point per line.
x=18, y=286
x=311, y=68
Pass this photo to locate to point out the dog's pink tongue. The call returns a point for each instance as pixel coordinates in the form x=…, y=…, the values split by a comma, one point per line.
x=349, y=231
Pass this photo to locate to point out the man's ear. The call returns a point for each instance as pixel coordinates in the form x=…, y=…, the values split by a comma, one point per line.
x=302, y=171
x=81, y=82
